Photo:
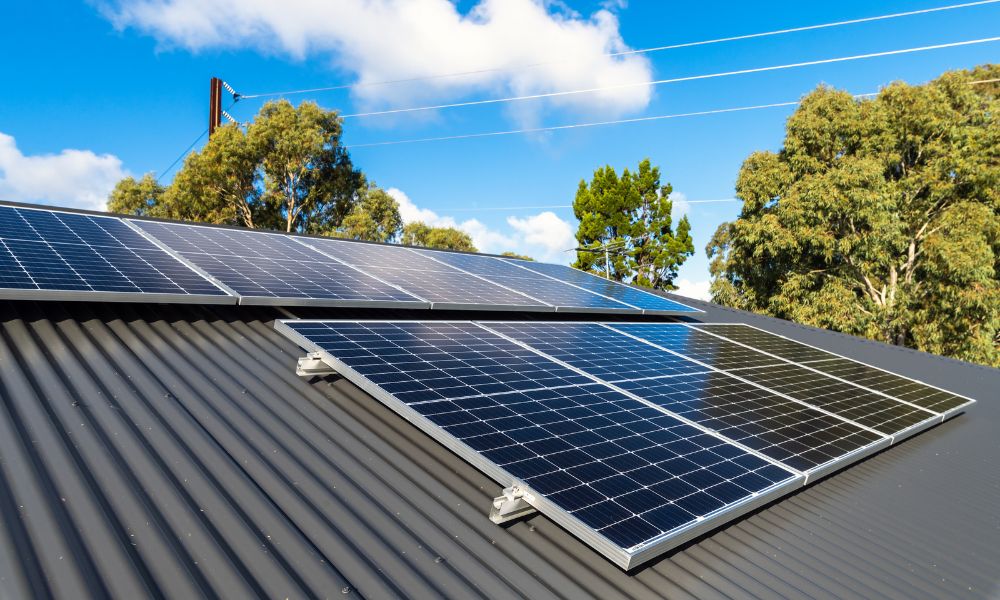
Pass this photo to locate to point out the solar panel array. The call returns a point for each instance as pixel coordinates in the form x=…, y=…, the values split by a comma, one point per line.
x=635, y=437
x=47, y=254
x=57, y=254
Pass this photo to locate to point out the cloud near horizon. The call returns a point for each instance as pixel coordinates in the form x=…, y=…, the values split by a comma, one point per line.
x=71, y=178
x=387, y=40
x=544, y=236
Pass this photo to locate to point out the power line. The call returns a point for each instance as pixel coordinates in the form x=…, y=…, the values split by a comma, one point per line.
x=673, y=80
x=551, y=206
x=603, y=123
x=196, y=140
x=626, y=52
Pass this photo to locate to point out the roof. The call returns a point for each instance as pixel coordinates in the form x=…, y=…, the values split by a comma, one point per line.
x=154, y=450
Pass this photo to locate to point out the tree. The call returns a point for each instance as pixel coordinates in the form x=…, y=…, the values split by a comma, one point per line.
x=374, y=218
x=419, y=233
x=287, y=171
x=131, y=197
x=631, y=216
x=878, y=217
x=516, y=255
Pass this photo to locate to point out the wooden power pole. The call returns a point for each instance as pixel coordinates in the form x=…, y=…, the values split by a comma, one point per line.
x=214, y=105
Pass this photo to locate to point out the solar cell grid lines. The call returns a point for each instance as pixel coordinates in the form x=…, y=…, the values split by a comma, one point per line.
x=785, y=430
x=441, y=285
x=901, y=388
x=270, y=268
x=623, y=293
x=861, y=406
x=603, y=461
x=50, y=254
x=596, y=349
x=795, y=434
x=767, y=342
x=557, y=293
x=718, y=353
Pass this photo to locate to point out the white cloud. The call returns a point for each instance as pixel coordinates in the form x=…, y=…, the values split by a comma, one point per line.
x=544, y=236
x=680, y=206
x=548, y=233
x=383, y=40
x=693, y=289
x=72, y=178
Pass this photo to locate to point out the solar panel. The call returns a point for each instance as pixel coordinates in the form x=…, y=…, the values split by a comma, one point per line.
x=903, y=388
x=563, y=296
x=49, y=254
x=443, y=286
x=869, y=409
x=649, y=303
x=628, y=477
x=794, y=433
x=270, y=268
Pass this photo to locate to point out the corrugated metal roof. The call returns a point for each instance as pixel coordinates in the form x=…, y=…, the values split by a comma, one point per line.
x=171, y=451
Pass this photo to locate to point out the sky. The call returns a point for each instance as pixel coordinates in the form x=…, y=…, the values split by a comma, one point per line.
x=94, y=91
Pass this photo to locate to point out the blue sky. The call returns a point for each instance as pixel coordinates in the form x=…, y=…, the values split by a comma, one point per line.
x=95, y=90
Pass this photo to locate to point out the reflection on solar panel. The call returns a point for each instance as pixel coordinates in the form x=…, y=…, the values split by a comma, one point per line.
x=561, y=295
x=48, y=254
x=650, y=303
x=797, y=434
x=443, y=286
x=636, y=436
x=269, y=268
x=866, y=376
x=629, y=477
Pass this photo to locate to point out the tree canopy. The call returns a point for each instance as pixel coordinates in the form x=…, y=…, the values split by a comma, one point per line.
x=878, y=217
x=631, y=215
x=510, y=254
x=287, y=171
x=419, y=233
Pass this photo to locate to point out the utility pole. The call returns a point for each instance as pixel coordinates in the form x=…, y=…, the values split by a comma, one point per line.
x=214, y=105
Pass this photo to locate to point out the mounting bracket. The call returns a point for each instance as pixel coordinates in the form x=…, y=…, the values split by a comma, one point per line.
x=513, y=504
x=311, y=364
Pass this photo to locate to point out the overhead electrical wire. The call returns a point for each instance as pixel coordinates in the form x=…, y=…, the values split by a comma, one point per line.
x=604, y=123
x=551, y=206
x=626, y=52
x=621, y=86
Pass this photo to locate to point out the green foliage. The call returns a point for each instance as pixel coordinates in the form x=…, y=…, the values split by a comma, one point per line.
x=418, y=233
x=878, y=217
x=286, y=171
x=374, y=218
x=516, y=255
x=131, y=197
x=631, y=214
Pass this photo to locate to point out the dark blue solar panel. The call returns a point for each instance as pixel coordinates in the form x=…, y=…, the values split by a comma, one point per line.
x=785, y=430
x=597, y=350
x=431, y=280
x=861, y=374
x=537, y=286
x=261, y=266
x=599, y=285
x=628, y=470
x=72, y=252
x=711, y=350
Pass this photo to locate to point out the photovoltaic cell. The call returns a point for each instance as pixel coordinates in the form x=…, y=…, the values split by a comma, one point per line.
x=861, y=406
x=713, y=351
x=537, y=286
x=269, y=268
x=596, y=349
x=612, y=289
x=797, y=435
x=909, y=390
x=899, y=387
x=54, y=254
x=431, y=280
x=632, y=473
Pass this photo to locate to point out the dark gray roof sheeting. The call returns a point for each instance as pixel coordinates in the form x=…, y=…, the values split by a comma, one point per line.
x=171, y=451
